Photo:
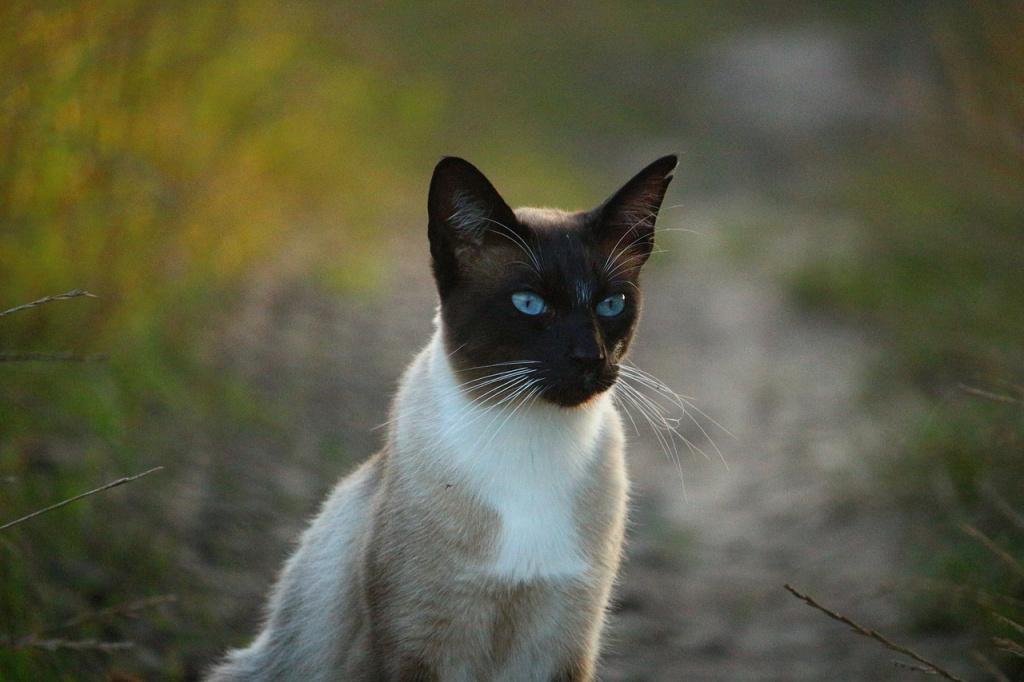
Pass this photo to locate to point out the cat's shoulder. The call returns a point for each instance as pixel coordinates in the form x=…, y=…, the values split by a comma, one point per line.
x=359, y=485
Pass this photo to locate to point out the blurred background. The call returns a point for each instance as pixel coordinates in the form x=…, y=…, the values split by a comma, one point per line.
x=243, y=187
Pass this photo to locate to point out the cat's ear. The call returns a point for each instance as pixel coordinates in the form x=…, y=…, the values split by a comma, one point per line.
x=464, y=209
x=625, y=223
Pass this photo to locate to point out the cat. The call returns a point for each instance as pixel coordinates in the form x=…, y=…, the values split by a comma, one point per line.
x=482, y=541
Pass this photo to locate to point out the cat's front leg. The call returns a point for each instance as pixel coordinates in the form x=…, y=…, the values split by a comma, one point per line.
x=399, y=668
x=416, y=670
x=578, y=668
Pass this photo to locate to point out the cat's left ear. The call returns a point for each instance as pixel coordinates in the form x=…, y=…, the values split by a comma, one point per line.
x=466, y=214
x=625, y=223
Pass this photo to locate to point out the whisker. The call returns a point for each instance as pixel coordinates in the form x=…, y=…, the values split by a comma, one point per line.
x=518, y=240
x=617, y=252
x=614, y=254
x=500, y=364
x=491, y=378
x=477, y=383
x=667, y=448
x=615, y=394
x=676, y=424
x=528, y=386
x=657, y=412
x=671, y=426
x=625, y=265
x=685, y=400
x=457, y=422
x=458, y=349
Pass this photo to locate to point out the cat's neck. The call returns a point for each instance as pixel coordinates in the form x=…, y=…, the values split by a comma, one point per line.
x=525, y=461
x=433, y=413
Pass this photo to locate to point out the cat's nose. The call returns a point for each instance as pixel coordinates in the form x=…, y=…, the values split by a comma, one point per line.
x=587, y=355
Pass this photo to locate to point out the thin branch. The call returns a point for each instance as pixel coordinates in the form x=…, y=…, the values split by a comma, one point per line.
x=128, y=610
x=978, y=596
x=125, y=610
x=1002, y=506
x=66, y=645
x=1009, y=621
x=998, y=397
x=108, y=486
x=986, y=664
x=991, y=546
x=914, y=668
x=74, y=293
x=1009, y=646
x=51, y=357
x=872, y=634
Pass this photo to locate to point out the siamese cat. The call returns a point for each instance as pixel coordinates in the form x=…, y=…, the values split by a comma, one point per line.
x=483, y=540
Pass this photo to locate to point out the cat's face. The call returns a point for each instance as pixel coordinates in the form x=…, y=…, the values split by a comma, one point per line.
x=548, y=299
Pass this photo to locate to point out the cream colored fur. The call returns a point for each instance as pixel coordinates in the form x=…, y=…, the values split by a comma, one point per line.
x=460, y=552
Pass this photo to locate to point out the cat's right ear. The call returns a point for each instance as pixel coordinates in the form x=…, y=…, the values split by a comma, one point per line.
x=463, y=209
x=625, y=222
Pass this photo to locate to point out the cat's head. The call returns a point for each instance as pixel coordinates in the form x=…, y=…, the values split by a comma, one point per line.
x=539, y=299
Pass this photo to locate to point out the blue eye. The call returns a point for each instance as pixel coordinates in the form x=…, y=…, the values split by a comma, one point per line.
x=611, y=306
x=528, y=303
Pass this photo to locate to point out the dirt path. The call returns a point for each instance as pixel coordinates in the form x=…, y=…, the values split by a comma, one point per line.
x=701, y=597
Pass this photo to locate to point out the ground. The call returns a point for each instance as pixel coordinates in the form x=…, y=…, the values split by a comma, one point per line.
x=702, y=593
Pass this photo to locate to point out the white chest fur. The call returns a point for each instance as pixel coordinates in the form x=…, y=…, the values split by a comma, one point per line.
x=527, y=465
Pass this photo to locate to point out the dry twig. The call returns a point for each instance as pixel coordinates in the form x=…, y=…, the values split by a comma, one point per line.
x=74, y=293
x=50, y=357
x=914, y=667
x=986, y=664
x=989, y=395
x=108, y=486
x=1009, y=646
x=124, y=610
x=1011, y=622
x=991, y=546
x=1002, y=506
x=128, y=610
x=67, y=645
x=978, y=596
x=872, y=634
